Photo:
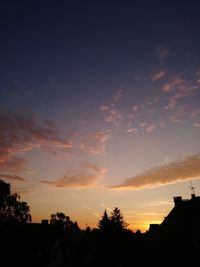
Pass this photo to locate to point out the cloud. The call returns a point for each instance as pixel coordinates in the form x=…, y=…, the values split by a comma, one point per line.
x=20, y=133
x=197, y=125
x=118, y=95
x=112, y=114
x=158, y=75
x=178, y=88
x=104, y=107
x=150, y=128
x=195, y=113
x=12, y=177
x=14, y=164
x=86, y=177
x=161, y=53
x=132, y=130
x=95, y=143
x=198, y=73
x=179, y=114
x=175, y=81
x=172, y=172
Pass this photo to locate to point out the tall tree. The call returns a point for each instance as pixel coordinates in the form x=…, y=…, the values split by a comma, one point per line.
x=117, y=220
x=104, y=223
x=11, y=208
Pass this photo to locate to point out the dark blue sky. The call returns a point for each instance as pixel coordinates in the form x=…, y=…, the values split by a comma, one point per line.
x=90, y=40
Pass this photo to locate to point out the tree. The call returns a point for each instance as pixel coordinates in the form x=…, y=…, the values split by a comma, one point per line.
x=113, y=223
x=117, y=220
x=105, y=223
x=11, y=208
x=63, y=221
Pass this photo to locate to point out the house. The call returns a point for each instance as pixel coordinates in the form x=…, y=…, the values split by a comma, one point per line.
x=184, y=219
x=176, y=241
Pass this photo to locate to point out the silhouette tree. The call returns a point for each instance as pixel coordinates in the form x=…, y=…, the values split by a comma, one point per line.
x=117, y=220
x=104, y=223
x=63, y=221
x=113, y=223
x=11, y=208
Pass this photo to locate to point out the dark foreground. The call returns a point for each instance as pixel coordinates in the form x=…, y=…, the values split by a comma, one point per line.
x=46, y=245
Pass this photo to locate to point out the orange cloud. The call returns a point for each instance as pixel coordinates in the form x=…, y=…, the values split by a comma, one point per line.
x=12, y=177
x=21, y=134
x=150, y=128
x=86, y=177
x=14, y=164
x=181, y=170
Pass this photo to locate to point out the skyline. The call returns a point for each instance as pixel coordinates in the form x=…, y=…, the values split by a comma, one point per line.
x=99, y=107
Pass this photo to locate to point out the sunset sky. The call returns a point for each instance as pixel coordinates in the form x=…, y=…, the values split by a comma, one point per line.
x=100, y=106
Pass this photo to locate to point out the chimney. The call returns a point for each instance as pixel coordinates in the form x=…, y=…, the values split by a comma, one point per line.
x=44, y=222
x=177, y=200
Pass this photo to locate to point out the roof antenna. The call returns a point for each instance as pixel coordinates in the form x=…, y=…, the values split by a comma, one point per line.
x=192, y=187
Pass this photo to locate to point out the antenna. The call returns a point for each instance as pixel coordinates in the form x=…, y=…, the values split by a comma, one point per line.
x=192, y=187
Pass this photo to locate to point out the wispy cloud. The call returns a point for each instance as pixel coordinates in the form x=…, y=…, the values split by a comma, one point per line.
x=95, y=143
x=174, y=82
x=118, y=95
x=158, y=75
x=13, y=165
x=161, y=53
x=169, y=173
x=132, y=130
x=198, y=73
x=178, y=89
x=86, y=177
x=12, y=177
x=150, y=128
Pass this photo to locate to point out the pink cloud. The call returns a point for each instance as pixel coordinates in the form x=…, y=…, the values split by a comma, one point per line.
x=150, y=128
x=158, y=75
x=104, y=107
x=197, y=125
x=143, y=124
x=20, y=133
x=175, y=82
x=179, y=89
x=118, y=95
x=132, y=130
x=198, y=81
x=198, y=73
x=195, y=113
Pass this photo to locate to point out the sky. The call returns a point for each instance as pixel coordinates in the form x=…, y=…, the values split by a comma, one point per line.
x=100, y=106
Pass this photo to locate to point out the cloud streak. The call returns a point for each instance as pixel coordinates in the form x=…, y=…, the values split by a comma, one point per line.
x=169, y=173
x=88, y=176
x=158, y=75
x=12, y=177
x=19, y=133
